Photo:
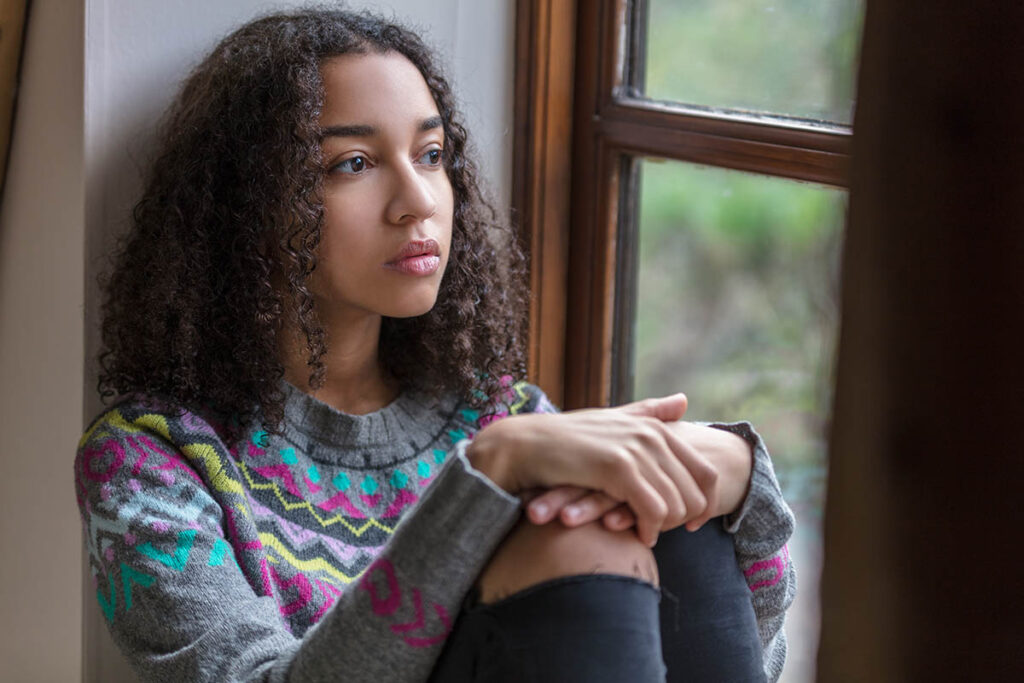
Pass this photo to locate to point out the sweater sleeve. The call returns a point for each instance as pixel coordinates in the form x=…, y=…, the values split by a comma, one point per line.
x=761, y=528
x=431, y=562
x=181, y=608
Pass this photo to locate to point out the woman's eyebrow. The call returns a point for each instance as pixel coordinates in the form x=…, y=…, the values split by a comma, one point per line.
x=430, y=124
x=366, y=131
x=360, y=131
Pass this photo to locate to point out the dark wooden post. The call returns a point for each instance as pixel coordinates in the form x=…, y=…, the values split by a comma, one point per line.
x=922, y=579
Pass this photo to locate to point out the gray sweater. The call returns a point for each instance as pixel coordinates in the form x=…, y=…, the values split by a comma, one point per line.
x=340, y=549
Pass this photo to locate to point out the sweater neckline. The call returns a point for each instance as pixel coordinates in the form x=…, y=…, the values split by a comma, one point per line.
x=407, y=425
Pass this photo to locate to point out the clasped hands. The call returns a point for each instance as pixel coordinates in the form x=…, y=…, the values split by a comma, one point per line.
x=635, y=464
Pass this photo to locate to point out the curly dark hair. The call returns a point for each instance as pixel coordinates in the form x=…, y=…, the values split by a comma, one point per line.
x=232, y=204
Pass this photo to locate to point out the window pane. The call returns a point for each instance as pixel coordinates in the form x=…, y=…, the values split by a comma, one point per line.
x=737, y=307
x=792, y=57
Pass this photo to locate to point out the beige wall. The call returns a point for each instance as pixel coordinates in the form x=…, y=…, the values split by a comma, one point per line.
x=41, y=366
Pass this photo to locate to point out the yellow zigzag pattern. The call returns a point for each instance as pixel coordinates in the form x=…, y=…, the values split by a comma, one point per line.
x=316, y=564
x=207, y=455
x=523, y=398
x=336, y=519
x=196, y=452
x=111, y=419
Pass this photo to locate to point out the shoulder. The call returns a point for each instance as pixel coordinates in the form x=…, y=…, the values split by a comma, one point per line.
x=146, y=441
x=518, y=397
x=155, y=417
x=529, y=398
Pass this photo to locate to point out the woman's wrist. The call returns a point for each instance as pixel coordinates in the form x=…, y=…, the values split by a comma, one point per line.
x=487, y=456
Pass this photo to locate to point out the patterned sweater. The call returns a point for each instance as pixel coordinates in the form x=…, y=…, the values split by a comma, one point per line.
x=340, y=549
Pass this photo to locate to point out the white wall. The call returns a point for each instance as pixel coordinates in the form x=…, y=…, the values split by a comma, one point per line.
x=41, y=362
x=136, y=53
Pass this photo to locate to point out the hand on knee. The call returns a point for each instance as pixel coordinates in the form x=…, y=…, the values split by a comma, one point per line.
x=532, y=553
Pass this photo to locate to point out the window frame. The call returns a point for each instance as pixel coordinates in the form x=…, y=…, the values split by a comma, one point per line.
x=577, y=207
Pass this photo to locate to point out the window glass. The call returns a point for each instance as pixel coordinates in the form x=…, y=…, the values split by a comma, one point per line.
x=737, y=307
x=791, y=57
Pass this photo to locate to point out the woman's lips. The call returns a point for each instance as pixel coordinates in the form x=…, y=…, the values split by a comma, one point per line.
x=418, y=257
x=424, y=264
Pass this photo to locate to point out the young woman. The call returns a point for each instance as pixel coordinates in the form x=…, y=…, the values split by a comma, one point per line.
x=319, y=461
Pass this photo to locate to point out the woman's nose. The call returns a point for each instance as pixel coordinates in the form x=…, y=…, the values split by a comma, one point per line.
x=412, y=197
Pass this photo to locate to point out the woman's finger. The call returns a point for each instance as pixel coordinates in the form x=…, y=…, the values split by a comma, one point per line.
x=666, y=408
x=635, y=488
x=694, y=476
x=547, y=505
x=588, y=508
x=698, y=484
x=619, y=518
x=657, y=463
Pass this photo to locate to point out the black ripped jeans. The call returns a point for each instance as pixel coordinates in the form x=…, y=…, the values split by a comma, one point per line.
x=698, y=627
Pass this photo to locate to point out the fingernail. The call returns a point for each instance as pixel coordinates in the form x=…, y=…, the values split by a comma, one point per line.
x=615, y=518
x=572, y=512
x=540, y=509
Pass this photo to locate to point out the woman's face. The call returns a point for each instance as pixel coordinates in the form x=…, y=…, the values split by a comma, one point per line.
x=387, y=199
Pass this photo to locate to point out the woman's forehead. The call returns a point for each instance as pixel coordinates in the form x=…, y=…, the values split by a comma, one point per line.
x=374, y=90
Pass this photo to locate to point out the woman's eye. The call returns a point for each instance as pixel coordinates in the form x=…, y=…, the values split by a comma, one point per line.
x=432, y=157
x=351, y=166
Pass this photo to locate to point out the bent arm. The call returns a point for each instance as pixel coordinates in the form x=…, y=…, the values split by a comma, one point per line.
x=761, y=523
x=189, y=593
x=422, y=576
x=761, y=527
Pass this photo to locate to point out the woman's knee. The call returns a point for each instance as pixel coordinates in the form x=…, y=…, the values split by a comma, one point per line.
x=532, y=553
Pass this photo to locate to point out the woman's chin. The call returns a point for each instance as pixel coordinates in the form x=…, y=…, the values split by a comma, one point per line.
x=411, y=308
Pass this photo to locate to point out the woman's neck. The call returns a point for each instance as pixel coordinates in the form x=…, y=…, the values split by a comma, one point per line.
x=354, y=383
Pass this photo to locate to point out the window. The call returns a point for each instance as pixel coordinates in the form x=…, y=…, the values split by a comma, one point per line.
x=689, y=240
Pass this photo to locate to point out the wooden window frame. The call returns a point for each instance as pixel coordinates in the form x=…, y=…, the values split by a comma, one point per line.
x=576, y=223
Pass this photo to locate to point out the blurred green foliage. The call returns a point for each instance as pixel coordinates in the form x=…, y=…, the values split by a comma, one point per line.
x=737, y=299
x=791, y=57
